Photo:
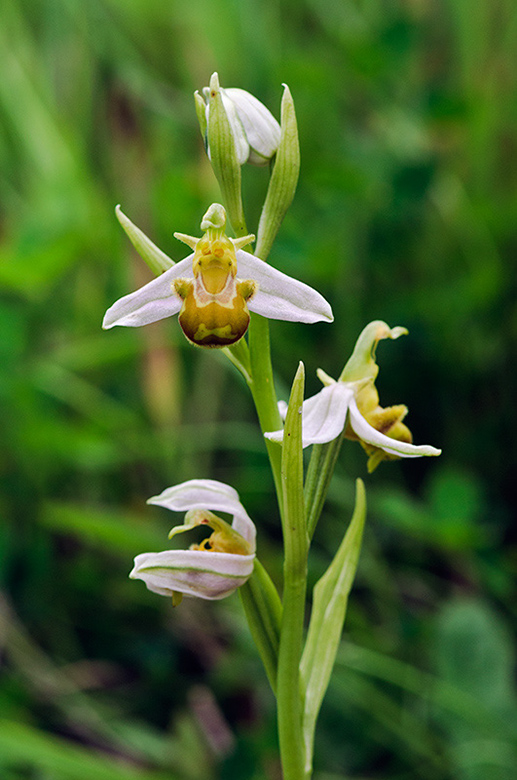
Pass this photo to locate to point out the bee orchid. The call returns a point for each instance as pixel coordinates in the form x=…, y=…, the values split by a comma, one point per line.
x=350, y=405
x=214, y=289
x=213, y=568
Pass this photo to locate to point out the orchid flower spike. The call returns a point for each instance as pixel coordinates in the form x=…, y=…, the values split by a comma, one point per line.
x=351, y=405
x=214, y=568
x=214, y=288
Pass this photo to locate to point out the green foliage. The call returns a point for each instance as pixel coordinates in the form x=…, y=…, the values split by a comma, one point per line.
x=405, y=211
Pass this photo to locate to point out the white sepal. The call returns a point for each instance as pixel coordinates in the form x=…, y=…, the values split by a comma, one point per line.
x=280, y=297
x=208, y=494
x=207, y=575
x=323, y=415
x=260, y=127
x=372, y=436
x=152, y=302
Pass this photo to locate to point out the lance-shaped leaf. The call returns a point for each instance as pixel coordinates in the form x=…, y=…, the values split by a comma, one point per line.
x=263, y=610
x=327, y=619
x=284, y=178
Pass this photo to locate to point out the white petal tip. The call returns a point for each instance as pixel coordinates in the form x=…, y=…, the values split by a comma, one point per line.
x=276, y=436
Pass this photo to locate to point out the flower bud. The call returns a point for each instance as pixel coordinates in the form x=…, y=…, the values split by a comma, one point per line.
x=255, y=131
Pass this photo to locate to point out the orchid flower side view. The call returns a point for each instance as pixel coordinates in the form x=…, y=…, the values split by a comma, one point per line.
x=217, y=566
x=350, y=405
x=218, y=291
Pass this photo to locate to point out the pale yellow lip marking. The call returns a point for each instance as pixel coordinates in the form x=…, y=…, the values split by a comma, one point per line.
x=214, y=311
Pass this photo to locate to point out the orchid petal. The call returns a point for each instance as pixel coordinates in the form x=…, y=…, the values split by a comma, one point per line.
x=152, y=302
x=207, y=575
x=323, y=415
x=261, y=128
x=208, y=494
x=282, y=409
x=371, y=436
x=280, y=297
x=242, y=147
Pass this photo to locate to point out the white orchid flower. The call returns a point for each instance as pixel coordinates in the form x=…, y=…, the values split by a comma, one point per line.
x=256, y=132
x=351, y=405
x=217, y=566
x=215, y=288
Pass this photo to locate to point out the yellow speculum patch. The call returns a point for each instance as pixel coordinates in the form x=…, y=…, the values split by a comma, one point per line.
x=214, y=311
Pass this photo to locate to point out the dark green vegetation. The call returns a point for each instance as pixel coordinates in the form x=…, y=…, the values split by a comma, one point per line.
x=405, y=211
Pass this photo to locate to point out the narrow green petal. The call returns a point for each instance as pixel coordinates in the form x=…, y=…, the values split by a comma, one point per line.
x=157, y=260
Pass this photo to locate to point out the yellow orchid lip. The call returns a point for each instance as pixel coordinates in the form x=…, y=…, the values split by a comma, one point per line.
x=214, y=312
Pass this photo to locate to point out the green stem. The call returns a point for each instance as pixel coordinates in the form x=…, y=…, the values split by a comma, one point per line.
x=296, y=545
x=321, y=468
x=263, y=391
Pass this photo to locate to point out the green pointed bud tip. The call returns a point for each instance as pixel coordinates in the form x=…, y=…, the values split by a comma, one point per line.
x=215, y=218
x=214, y=83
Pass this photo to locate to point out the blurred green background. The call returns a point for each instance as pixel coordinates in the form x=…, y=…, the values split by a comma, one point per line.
x=405, y=211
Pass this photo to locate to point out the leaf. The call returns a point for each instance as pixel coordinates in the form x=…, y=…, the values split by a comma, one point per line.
x=327, y=619
x=263, y=610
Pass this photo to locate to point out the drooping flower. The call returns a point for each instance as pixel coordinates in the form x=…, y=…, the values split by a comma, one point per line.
x=217, y=566
x=256, y=132
x=351, y=405
x=215, y=288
